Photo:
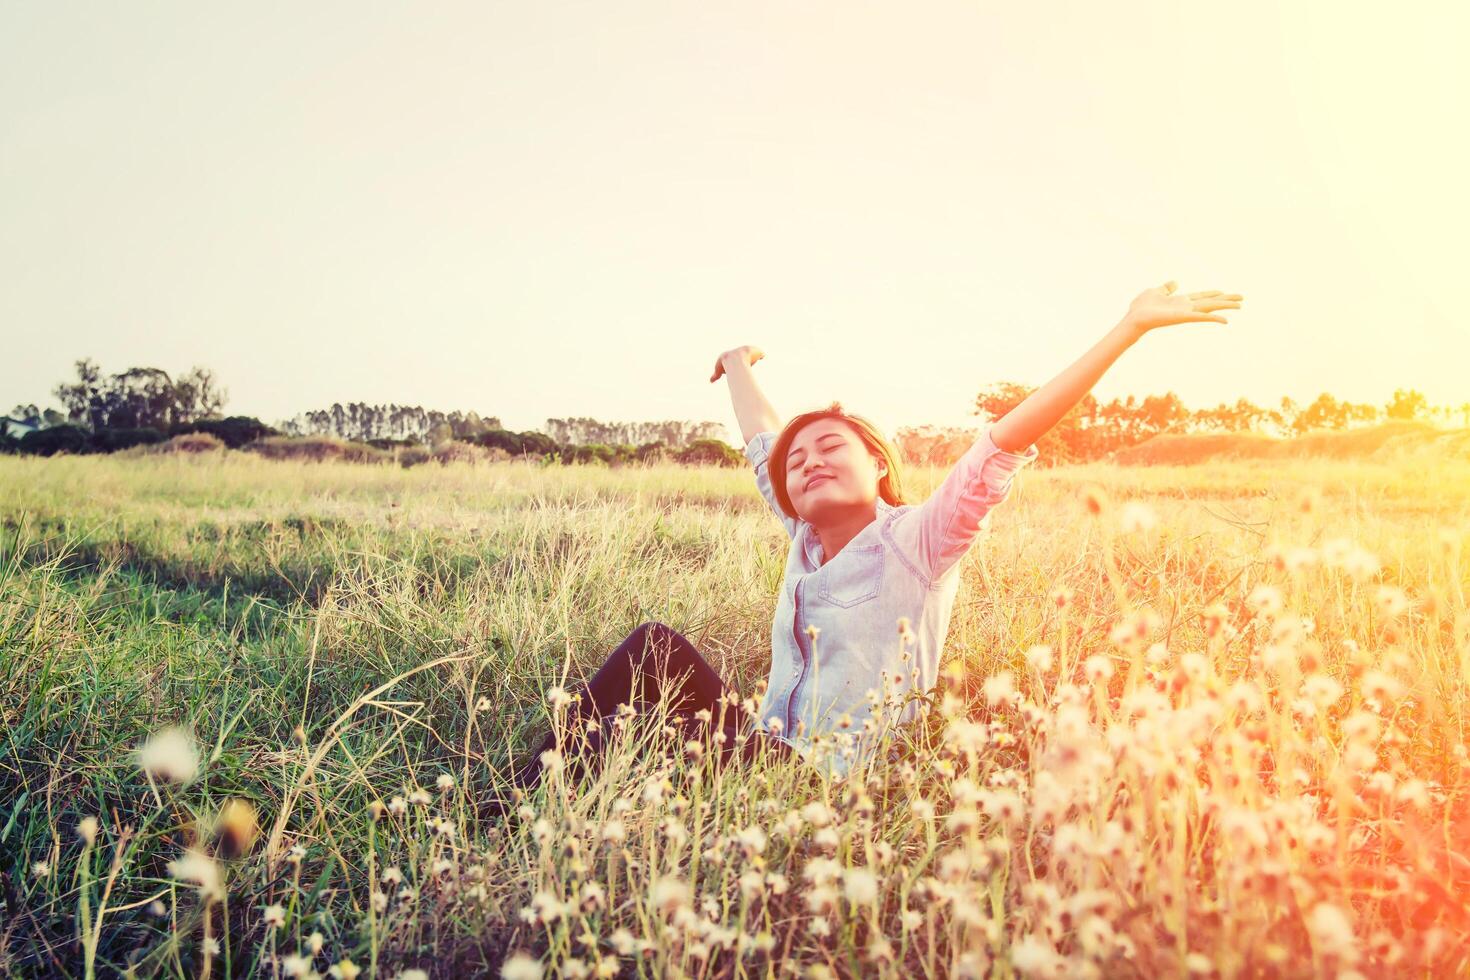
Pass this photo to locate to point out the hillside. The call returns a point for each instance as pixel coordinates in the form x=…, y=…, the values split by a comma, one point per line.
x=1380, y=442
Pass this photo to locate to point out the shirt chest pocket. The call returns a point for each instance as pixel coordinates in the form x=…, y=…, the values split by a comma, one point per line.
x=853, y=577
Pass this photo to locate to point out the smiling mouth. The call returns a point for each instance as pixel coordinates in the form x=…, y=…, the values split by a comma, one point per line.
x=815, y=480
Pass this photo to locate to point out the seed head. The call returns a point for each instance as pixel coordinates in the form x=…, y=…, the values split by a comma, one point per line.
x=200, y=868
x=1137, y=516
x=860, y=886
x=345, y=969
x=236, y=828
x=669, y=894
x=170, y=755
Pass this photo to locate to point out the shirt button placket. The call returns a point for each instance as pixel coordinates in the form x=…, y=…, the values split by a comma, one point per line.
x=797, y=632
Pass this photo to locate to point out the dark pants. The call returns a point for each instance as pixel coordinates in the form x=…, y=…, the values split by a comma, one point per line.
x=668, y=668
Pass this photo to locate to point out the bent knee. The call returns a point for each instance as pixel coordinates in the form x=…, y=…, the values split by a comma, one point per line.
x=655, y=636
x=654, y=628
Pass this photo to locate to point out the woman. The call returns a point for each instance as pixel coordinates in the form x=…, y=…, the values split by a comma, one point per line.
x=867, y=574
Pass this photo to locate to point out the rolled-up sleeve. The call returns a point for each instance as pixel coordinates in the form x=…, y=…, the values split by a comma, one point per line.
x=944, y=527
x=758, y=451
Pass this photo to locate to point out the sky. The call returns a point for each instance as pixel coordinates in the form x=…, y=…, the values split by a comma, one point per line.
x=570, y=209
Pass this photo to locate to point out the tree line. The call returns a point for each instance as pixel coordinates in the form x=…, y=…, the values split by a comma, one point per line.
x=1094, y=429
x=145, y=406
x=139, y=406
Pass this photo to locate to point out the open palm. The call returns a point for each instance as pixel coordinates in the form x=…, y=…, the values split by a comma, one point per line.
x=1161, y=306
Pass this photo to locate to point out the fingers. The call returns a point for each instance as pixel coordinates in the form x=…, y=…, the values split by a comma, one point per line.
x=750, y=356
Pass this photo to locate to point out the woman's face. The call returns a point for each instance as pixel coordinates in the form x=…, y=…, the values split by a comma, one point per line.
x=829, y=472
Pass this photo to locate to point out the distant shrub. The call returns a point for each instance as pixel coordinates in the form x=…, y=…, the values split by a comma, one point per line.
x=193, y=442
x=389, y=444
x=710, y=451
x=56, y=439
x=514, y=444
x=502, y=439
x=537, y=444
x=111, y=440
x=591, y=453
x=456, y=451
x=624, y=454
x=652, y=452
x=413, y=456
x=317, y=449
x=235, y=431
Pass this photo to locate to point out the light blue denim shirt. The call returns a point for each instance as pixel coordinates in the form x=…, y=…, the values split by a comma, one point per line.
x=904, y=564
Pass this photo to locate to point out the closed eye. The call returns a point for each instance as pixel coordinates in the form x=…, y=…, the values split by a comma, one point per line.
x=796, y=459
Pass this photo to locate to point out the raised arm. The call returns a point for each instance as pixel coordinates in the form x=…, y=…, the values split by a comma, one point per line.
x=939, y=532
x=759, y=422
x=752, y=410
x=1152, y=308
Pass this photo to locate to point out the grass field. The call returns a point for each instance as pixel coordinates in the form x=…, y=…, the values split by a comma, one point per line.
x=1205, y=720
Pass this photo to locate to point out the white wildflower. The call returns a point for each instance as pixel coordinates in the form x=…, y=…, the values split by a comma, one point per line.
x=170, y=755
x=200, y=868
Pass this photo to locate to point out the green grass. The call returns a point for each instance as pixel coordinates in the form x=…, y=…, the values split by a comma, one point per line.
x=259, y=604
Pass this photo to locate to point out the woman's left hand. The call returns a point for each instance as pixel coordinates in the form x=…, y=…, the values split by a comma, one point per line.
x=1163, y=307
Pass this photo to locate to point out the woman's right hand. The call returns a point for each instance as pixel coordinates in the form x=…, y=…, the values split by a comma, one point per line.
x=747, y=355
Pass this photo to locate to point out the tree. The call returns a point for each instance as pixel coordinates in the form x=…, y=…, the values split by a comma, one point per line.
x=1283, y=419
x=589, y=431
x=1356, y=412
x=198, y=395
x=929, y=445
x=1324, y=413
x=29, y=414
x=1407, y=404
x=1243, y=416
x=363, y=422
x=83, y=400
x=1072, y=438
x=1164, y=413
x=140, y=397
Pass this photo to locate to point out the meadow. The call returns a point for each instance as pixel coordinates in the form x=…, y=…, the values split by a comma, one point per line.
x=1201, y=720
